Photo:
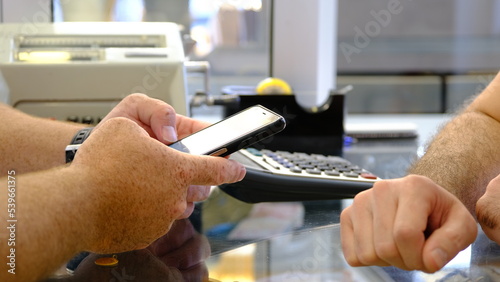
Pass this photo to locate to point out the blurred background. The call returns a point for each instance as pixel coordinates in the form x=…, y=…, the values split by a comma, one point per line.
x=401, y=56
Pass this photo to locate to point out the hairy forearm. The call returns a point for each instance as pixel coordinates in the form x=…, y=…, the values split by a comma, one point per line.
x=47, y=224
x=29, y=143
x=464, y=156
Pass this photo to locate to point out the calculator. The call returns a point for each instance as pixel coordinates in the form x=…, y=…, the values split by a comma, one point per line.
x=279, y=176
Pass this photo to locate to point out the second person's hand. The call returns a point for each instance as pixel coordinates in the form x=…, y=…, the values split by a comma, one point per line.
x=411, y=223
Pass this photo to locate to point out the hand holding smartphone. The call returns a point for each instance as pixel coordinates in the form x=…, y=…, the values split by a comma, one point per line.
x=233, y=133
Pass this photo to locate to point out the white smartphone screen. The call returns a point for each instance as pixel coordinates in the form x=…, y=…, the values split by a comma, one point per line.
x=226, y=131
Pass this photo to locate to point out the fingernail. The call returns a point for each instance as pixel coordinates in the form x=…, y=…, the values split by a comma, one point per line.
x=169, y=133
x=440, y=257
x=243, y=172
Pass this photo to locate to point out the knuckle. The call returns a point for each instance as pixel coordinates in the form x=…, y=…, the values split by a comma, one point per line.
x=362, y=196
x=418, y=180
x=345, y=215
x=179, y=208
x=415, y=177
x=139, y=97
x=114, y=124
x=135, y=97
x=198, y=193
x=169, y=110
x=382, y=184
x=119, y=121
x=124, y=121
x=352, y=260
x=368, y=257
x=132, y=99
x=387, y=251
x=381, y=187
x=455, y=239
x=224, y=172
x=404, y=233
x=220, y=176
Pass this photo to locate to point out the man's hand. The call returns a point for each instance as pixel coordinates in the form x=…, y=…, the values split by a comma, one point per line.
x=410, y=223
x=138, y=186
x=161, y=122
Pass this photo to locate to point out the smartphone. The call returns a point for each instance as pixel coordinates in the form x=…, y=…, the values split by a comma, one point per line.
x=233, y=133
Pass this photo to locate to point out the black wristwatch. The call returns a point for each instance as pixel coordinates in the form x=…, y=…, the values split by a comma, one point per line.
x=77, y=140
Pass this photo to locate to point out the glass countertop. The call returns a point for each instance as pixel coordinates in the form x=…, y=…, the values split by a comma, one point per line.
x=229, y=240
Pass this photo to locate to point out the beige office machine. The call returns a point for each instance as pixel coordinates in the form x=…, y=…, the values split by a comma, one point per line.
x=79, y=71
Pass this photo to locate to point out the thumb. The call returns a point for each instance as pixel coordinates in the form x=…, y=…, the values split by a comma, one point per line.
x=209, y=170
x=457, y=232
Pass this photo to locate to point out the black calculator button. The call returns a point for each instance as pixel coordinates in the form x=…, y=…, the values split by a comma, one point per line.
x=323, y=167
x=306, y=166
x=313, y=171
x=332, y=173
x=351, y=174
x=344, y=169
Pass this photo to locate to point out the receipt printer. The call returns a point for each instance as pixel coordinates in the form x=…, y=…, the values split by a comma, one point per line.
x=80, y=70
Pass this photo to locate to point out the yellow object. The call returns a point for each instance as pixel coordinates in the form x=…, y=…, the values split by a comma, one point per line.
x=107, y=261
x=273, y=85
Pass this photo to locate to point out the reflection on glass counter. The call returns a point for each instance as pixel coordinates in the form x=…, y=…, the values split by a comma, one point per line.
x=313, y=254
x=316, y=255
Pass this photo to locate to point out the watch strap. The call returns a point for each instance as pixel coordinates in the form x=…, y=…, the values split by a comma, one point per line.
x=77, y=140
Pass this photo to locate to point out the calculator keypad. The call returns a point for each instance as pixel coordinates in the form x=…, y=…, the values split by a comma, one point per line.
x=308, y=165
